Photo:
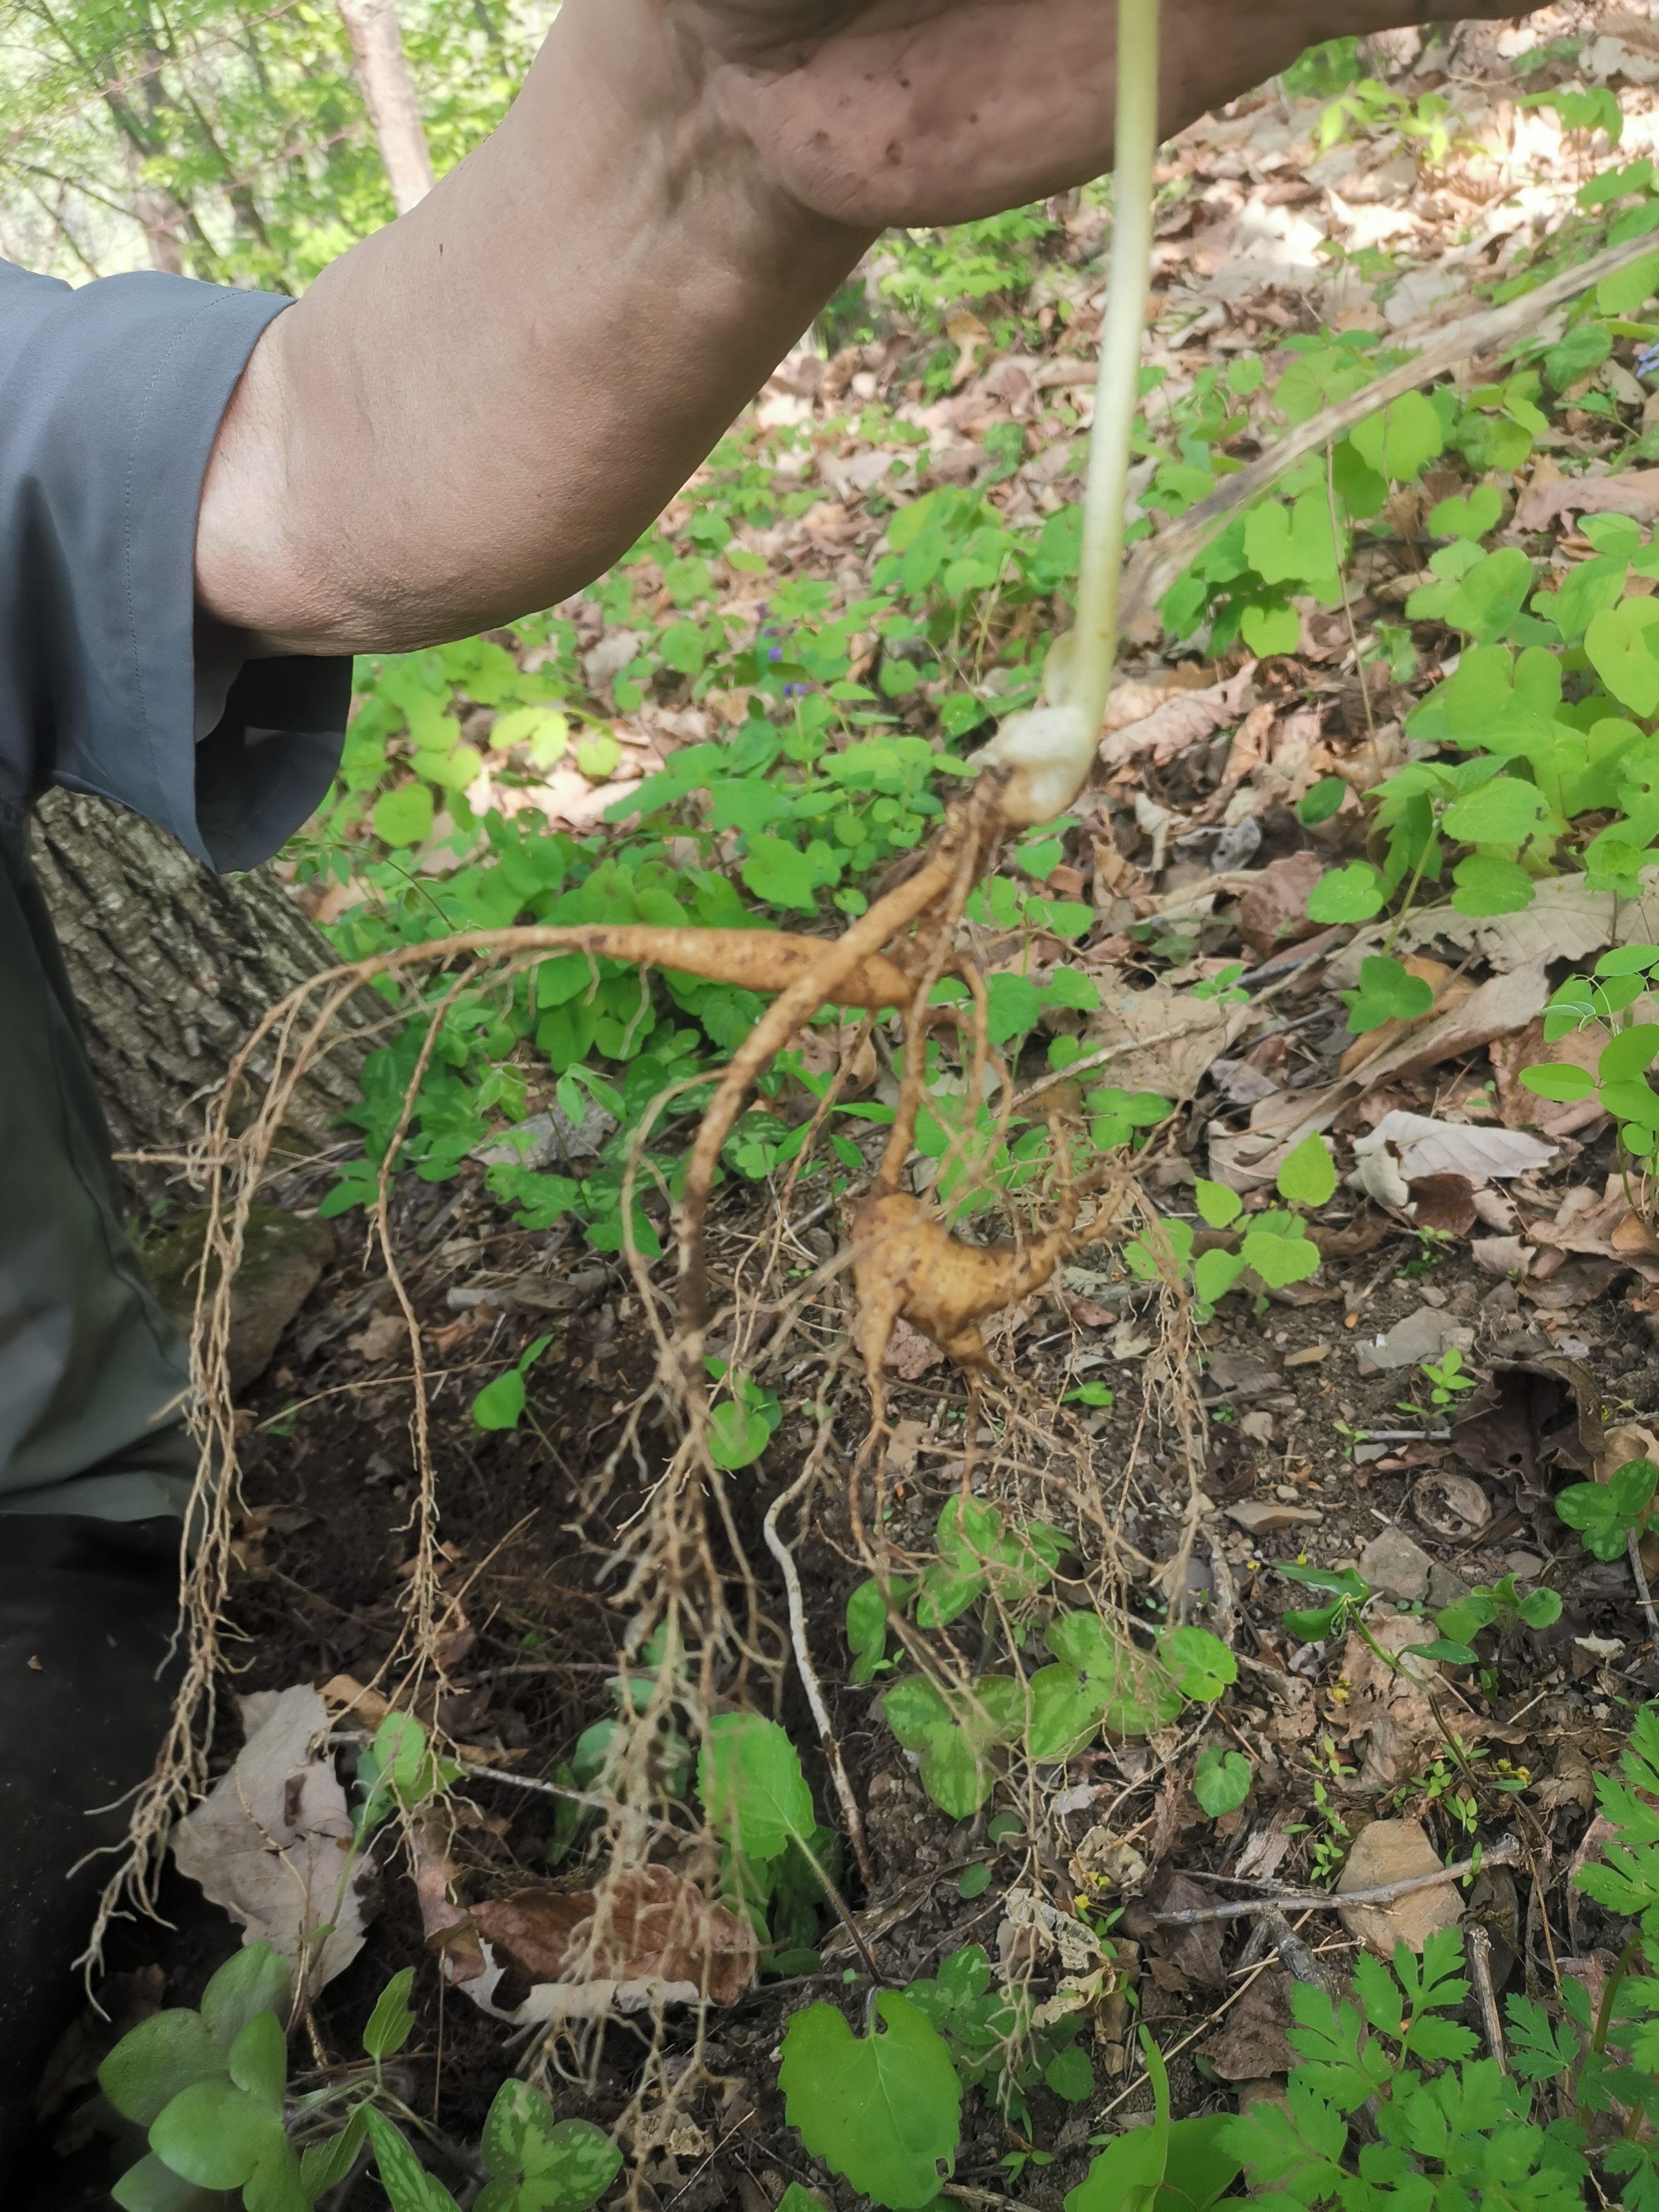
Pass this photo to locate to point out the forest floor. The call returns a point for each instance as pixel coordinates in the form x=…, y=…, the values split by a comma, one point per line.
x=1510, y=1240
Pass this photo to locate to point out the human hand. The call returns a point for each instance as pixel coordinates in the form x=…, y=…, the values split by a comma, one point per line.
x=879, y=112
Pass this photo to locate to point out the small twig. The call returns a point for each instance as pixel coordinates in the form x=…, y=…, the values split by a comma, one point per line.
x=1294, y=1955
x=1099, y=1059
x=964, y=2195
x=1503, y=1853
x=1477, y=1951
x=1642, y=1589
x=513, y=1781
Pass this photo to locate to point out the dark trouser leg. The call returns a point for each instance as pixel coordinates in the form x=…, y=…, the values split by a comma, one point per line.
x=91, y=1371
x=86, y=1610
x=93, y=1460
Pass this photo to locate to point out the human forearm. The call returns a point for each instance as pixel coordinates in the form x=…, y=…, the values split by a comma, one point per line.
x=478, y=408
x=474, y=411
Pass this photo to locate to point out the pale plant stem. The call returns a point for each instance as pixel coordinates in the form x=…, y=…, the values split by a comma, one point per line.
x=1117, y=392
x=1642, y=1590
x=780, y=1552
x=1347, y=608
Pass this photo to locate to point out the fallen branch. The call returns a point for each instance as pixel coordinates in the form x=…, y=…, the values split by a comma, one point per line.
x=1505, y=1852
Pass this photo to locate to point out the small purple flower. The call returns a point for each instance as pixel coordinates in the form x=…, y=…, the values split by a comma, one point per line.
x=1647, y=361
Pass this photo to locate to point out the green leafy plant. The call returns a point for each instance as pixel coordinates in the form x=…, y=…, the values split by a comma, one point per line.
x=1348, y=1591
x=208, y=2087
x=1274, y=1246
x=500, y=1404
x=1387, y=991
x=955, y=1734
x=1609, y=996
x=777, y=1862
x=982, y=1559
x=1173, y=2166
x=1091, y=1393
x=1457, y=2135
x=1221, y=1780
x=994, y=2043
x=1097, y=1678
x=1581, y=112
x=536, y=2163
x=741, y=1424
x=884, y=2110
x=1498, y=1606
x=398, y=1770
x=1448, y=1377
x=211, y=2088
x=1607, y=1515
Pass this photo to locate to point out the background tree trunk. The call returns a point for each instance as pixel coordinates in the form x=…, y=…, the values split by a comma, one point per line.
x=389, y=93
x=171, y=968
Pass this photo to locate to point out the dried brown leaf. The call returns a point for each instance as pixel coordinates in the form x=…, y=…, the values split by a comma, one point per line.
x=1255, y=2040
x=1273, y=911
x=647, y=1936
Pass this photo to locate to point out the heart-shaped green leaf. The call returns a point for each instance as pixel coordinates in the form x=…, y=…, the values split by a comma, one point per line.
x=884, y=2110
x=749, y=1780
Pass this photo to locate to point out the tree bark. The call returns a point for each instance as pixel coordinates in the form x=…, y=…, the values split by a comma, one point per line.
x=171, y=967
x=389, y=93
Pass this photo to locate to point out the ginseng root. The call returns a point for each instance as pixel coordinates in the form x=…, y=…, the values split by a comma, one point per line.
x=765, y=960
x=907, y=1266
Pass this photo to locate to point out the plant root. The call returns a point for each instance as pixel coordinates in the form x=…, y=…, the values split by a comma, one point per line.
x=852, y=1813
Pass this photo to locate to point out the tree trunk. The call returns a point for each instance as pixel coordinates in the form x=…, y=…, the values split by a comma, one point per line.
x=389, y=92
x=171, y=968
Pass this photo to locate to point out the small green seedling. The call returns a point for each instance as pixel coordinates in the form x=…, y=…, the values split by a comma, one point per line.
x=1448, y=1376
x=1330, y=1848
x=1224, y=986
x=500, y=1404
x=1274, y=1245
x=1387, y=991
x=398, y=1772
x=1090, y=1393
x=1622, y=979
x=1497, y=1605
x=1221, y=1780
x=1347, y=1589
x=866, y=1626
x=741, y=1426
x=1606, y=1514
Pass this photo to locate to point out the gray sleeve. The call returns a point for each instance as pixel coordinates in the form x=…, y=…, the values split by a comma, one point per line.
x=110, y=399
